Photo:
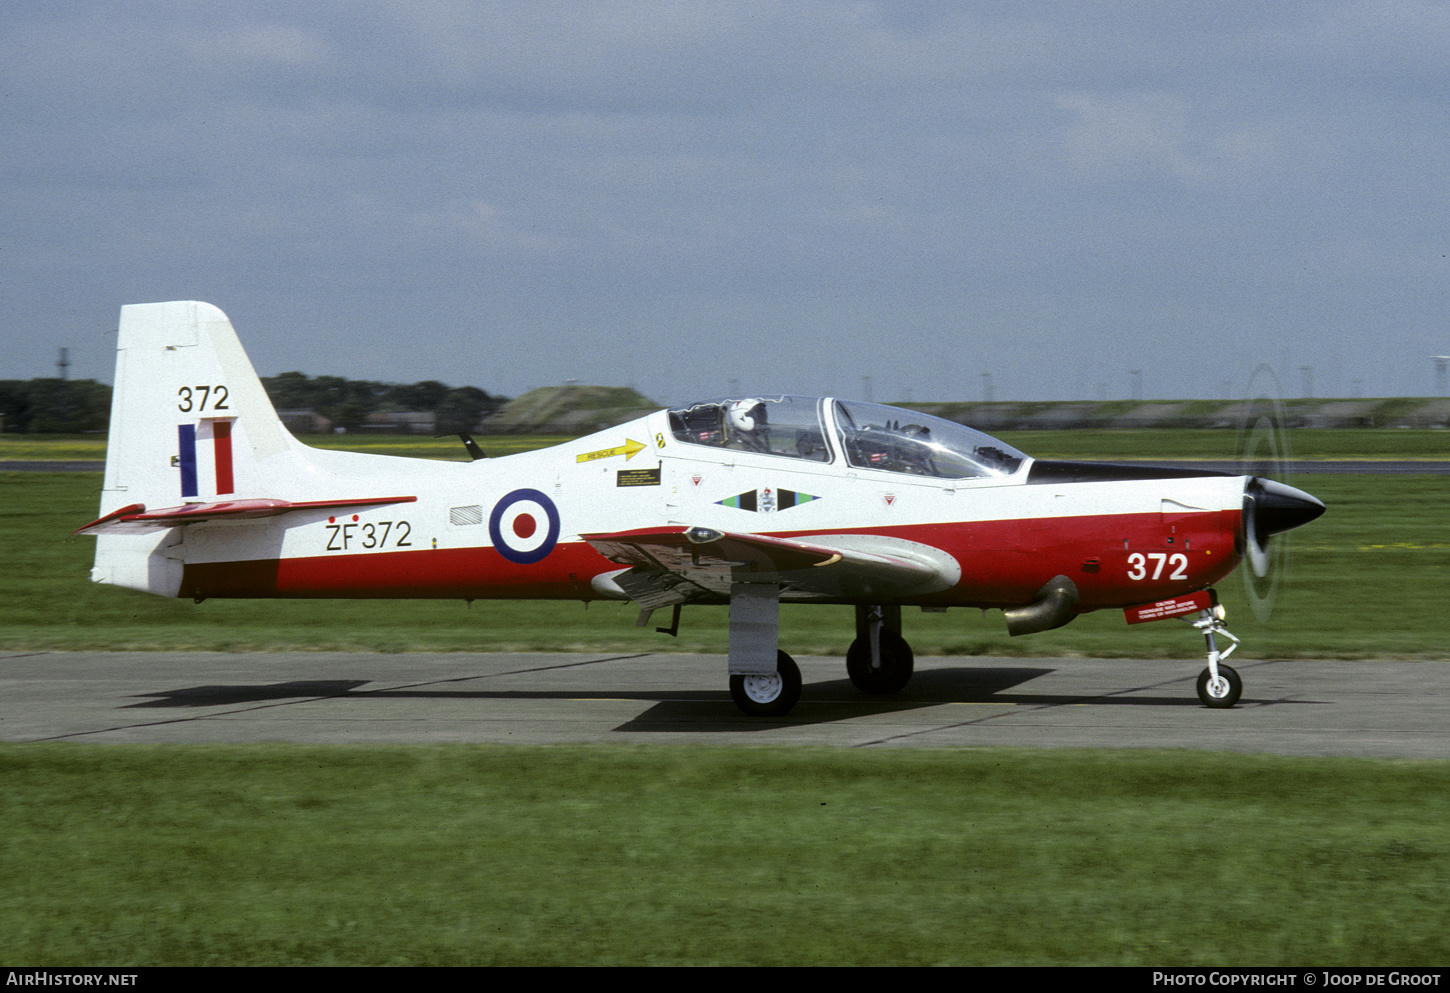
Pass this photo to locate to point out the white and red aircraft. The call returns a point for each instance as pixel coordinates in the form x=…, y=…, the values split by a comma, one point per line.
x=749, y=501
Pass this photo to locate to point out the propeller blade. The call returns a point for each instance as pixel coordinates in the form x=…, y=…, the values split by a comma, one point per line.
x=1271, y=507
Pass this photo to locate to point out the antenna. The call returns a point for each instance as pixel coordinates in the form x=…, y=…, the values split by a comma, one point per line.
x=1440, y=362
x=63, y=363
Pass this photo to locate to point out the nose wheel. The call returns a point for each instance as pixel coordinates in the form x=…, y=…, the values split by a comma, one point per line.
x=1219, y=686
x=1221, y=690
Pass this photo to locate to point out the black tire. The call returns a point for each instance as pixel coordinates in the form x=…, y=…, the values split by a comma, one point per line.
x=1223, y=700
x=897, y=665
x=769, y=696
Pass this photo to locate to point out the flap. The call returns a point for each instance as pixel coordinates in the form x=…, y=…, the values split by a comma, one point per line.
x=848, y=566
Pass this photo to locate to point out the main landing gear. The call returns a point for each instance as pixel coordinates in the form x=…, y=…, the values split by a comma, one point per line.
x=879, y=661
x=768, y=696
x=1219, y=686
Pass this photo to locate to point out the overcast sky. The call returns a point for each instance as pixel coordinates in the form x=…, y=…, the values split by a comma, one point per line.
x=906, y=201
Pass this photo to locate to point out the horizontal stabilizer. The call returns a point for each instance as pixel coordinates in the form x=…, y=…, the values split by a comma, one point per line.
x=136, y=519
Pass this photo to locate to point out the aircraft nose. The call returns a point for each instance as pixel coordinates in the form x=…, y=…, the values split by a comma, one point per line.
x=1276, y=507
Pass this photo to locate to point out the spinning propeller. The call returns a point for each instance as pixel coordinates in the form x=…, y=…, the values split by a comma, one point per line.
x=1271, y=505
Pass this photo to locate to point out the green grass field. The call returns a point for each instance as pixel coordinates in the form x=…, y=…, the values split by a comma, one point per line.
x=271, y=855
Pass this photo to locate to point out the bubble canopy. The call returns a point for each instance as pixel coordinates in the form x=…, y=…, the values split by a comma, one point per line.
x=861, y=435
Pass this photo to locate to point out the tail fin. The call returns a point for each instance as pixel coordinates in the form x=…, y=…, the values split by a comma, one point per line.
x=190, y=422
x=189, y=417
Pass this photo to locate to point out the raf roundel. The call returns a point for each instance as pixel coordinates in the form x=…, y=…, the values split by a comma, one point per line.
x=524, y=526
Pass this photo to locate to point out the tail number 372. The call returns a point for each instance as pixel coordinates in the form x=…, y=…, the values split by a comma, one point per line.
x=194, y=398
x=1151, y=565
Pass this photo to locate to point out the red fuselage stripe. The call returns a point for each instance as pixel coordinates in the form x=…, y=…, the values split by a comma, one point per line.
x=1115, y=561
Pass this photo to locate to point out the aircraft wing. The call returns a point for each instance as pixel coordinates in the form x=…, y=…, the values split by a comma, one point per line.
x=136, y=519
x=679, y=565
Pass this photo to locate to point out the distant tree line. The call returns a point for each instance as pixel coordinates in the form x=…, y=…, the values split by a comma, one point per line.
x=348, y=402
x=81, y=405
x=70, y=406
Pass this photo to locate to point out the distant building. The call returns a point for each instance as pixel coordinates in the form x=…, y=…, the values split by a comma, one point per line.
x=401, y=422
x=305, y=422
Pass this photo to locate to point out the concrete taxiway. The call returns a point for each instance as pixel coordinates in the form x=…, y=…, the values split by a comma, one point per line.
x=1351, y=708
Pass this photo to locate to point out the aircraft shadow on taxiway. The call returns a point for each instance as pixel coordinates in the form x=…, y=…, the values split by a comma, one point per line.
x=703, y=709
x=834, y=700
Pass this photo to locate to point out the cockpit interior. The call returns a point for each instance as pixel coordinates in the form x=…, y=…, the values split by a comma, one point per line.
x=862, y=435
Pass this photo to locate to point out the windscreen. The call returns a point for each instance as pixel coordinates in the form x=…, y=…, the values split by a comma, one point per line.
x=900, y=440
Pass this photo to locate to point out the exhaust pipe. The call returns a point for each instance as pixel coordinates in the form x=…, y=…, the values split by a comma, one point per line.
x=1051, y=609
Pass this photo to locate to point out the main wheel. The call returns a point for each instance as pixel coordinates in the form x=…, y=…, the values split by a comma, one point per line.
x=897, y=665
x=1222, y=693
x=769, y=696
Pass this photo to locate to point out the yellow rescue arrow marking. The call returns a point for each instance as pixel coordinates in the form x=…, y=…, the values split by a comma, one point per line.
x=629, y=449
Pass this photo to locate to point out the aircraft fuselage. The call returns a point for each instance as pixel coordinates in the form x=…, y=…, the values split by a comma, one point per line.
x=510, y=527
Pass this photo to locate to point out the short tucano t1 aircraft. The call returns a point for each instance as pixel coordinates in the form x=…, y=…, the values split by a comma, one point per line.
x=748, y=501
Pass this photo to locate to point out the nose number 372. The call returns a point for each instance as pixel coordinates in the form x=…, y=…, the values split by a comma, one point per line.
x=1140, y=566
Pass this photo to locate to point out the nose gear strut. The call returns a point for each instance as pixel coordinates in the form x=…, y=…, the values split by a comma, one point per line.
x=1219, y=686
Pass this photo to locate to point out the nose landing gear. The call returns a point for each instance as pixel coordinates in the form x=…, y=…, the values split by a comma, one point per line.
x=1219, y=686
